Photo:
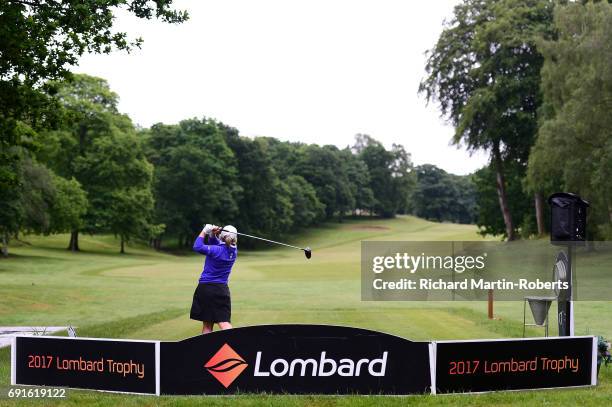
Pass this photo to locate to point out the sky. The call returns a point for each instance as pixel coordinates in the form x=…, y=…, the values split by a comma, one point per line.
x=311, y=71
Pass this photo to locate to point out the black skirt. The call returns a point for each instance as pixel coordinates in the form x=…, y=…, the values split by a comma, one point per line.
x=211, y=303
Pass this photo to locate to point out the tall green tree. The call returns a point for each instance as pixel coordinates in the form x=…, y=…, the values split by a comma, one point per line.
x=89, y=108
x=324, y=169
x=574, y=145
x=404, y=180
x=484, y=72
x=284, y=158
x=359, y=181
x=441, y=196
x=99, y=147
x=10, y=202
x=264, y=203
x=306, y=207
x=27, y=209
x=45, y=203
x=50, y=203
x=390, y=173
x=195, y=177
x=37, y=197
x=380, y=167
x=284, y=155
x=519, y=204
x=41, y=40
x=69, y=205
x=119, y=186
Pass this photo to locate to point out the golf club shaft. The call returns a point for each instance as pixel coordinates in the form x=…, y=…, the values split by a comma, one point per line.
x=265, y=240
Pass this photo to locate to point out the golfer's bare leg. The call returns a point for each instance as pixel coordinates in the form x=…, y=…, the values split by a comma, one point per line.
x=207, y=327
x=225, y=325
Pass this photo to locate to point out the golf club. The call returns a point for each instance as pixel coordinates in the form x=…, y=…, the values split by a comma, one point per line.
x=307, y=250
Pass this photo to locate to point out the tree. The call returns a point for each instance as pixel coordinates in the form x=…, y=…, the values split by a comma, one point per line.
x=10, y=207
x=441, y=196
x=37, y=197
x=485, y=72
x=380, y=167
x=488, y=220
x=359, y=179
x=265, y=201
x=342, y=179
x=129, y=213
x=324, y=169
x=307, y=209
x=23, y=112
x=30, y=207
x=43, y=37
x=44, y=203
x=284, y=155
x=403, y=177
x=573, y=150
x=195, y=177
x=119, y=176
x=69, y=205
x=17, y=142
x=99, y=148
x=391, y=179
x=434, y=195
x=90, y=114
x=466, y=207
x=40, y=40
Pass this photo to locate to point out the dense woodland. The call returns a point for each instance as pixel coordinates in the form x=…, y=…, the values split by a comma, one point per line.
x=528, y=81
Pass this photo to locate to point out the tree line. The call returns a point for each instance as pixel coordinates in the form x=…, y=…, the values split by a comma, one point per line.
x=206, y=169
x=529, y=81
x=95, y=172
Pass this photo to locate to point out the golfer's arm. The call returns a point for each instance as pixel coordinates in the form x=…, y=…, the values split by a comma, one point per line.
x=199, y=246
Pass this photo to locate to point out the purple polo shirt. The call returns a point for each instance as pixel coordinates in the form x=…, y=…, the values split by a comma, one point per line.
x=219, y=260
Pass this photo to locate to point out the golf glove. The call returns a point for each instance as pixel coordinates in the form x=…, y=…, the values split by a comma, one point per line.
x=208, y=229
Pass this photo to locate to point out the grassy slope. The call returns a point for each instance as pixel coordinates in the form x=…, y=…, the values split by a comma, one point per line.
x=147, y=295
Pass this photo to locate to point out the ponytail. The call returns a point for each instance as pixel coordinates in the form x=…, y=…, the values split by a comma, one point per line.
x=230, y=240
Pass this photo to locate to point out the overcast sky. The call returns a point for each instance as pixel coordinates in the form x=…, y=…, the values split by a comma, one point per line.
x=311, y=71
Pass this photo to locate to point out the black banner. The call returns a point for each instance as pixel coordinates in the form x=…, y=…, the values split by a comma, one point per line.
x=303, y=359
x=296, y=359
x=114, y=365
x=476, y=366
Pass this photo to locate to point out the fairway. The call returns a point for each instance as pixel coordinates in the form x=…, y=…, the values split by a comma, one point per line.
x=146, y=295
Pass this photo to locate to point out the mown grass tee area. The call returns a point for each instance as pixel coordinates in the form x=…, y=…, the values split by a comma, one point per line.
x=146, y=295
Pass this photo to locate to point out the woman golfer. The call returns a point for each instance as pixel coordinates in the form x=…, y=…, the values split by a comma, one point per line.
x=211, y=299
